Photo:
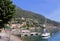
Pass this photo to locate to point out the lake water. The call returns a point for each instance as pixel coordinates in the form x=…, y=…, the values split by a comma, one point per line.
x=55, y=37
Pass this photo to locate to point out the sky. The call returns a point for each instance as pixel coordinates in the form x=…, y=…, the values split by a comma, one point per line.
x=48, y=8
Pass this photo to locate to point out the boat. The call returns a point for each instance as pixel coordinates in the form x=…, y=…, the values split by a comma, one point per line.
x=45, y=34
x=25, y=33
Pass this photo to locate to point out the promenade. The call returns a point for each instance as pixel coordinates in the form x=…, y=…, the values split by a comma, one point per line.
x=6, y=37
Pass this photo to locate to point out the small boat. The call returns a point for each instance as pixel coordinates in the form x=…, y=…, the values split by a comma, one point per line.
x=34, y=34
x=45, y=35
x=25, y=33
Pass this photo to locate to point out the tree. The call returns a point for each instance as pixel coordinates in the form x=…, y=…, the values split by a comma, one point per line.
x=7, y=10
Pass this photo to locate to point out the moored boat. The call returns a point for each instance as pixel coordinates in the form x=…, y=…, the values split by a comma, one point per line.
x=45, y=35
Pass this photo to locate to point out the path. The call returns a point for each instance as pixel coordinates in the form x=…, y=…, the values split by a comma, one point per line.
x=12, y=37
x=15, y=38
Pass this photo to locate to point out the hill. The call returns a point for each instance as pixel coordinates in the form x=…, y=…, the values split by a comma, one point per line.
x=31, y=15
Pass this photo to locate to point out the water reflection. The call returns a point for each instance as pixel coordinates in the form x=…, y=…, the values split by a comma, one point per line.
x=55, y=37
x=34, y=38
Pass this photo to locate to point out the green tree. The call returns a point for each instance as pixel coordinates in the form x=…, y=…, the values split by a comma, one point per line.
x=7, y=10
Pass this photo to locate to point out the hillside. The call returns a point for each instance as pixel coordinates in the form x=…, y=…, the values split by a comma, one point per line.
x=40, y=18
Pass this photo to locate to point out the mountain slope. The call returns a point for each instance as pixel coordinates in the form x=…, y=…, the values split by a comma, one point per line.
x=27, y=14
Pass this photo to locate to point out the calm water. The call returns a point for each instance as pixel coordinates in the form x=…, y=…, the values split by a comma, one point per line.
x=55, y=37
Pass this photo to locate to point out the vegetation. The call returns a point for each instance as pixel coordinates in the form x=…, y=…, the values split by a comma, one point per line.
x=34, y=16
x=7, y=10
